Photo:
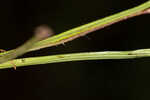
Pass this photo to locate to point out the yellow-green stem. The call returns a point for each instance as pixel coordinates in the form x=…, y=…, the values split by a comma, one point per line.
x=78, y=57
x=81, y=31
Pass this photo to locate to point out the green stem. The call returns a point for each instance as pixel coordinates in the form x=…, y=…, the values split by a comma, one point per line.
x=90, y=27
x=20, y=50
x=75, y=33
x=78, y=57
x=93, y=26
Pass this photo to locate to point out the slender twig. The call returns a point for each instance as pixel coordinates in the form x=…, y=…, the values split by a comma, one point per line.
x=78, y=57
x=93, y=26
x=90, y=27
x=75, y=33
x=25, y=47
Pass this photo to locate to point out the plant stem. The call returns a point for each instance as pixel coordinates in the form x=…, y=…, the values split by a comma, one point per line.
x=92, y=26
x=23, y=48
x=73, y=34
x=78, y=57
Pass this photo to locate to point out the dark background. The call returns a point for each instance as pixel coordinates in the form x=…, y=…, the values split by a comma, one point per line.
x=89, y=80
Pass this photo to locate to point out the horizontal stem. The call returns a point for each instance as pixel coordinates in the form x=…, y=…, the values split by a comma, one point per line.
x=77, y=57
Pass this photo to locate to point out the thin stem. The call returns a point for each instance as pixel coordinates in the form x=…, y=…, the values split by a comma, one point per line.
x=78, y=57
x=24, y=48
x=73, y=34
x=92, y=26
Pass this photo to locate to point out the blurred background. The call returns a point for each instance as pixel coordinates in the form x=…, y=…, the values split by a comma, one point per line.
x=83, y=80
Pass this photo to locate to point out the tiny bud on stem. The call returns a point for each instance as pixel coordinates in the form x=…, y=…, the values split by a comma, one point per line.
x=43, y=32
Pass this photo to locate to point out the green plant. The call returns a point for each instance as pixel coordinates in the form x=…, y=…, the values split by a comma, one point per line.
x=37, y=43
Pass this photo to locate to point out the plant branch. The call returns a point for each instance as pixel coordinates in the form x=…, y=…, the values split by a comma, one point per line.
x=92, y=26
x=73, y=34
x=78, y=57
x=25, y=47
